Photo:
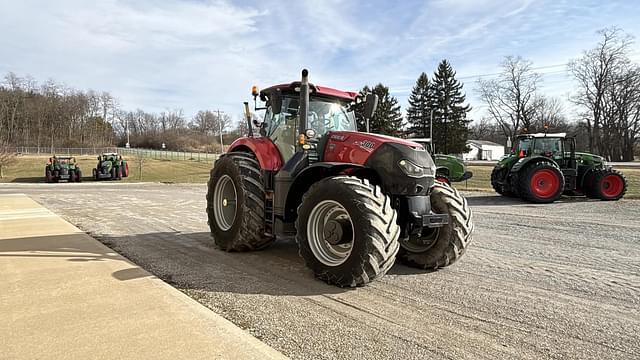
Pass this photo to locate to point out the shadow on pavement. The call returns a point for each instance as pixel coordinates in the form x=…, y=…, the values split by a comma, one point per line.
x=191, y=262
x=498, y=200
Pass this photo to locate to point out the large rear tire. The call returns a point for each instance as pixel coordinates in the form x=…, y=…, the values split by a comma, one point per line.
x=608, y=185
x=445, y=245
x=236, y=204
x=540, y=182
x=48, y=176
x=347, y=231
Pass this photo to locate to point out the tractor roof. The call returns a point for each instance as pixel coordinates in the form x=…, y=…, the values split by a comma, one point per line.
x=109, y=154
x=542, y=135
x=62, y=156
x=313, y=90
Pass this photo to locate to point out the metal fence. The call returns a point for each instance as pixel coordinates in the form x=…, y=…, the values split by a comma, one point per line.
x=126, y=152
x=168, y=155
x=46, y=150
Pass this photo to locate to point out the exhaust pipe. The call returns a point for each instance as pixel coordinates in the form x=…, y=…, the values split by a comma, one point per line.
x=303, y=112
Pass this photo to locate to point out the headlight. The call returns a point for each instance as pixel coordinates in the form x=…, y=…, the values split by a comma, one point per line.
x=411, y=169
x=310, y=133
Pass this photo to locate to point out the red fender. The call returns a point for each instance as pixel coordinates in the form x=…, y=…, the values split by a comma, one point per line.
x=264, y=149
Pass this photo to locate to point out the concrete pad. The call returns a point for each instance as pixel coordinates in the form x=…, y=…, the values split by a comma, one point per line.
x=64, y=295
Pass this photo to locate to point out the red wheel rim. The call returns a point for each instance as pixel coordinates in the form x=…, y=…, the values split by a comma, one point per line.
x=545, y=183
x=611, y=186
x=442, y=179
x=126, y=169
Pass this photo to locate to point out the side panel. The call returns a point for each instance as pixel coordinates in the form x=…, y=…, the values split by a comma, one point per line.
x=264, y=149
x=356, y=147
x=455, y=166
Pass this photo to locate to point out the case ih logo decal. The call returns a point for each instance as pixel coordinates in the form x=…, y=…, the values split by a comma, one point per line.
x=338, y=137
x=366, y=144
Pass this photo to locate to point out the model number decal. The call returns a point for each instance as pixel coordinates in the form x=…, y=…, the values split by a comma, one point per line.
x=366, y=144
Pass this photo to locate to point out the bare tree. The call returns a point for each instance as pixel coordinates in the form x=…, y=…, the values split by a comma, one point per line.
x=7, y=154
x=549, y=112
x=602, y=73
x=511, y=97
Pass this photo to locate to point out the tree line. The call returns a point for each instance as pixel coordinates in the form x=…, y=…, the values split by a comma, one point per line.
x=440, y=100
x=606, y=97
x=52, y=115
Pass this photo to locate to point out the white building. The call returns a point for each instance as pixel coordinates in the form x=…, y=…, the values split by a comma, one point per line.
x=483, y=150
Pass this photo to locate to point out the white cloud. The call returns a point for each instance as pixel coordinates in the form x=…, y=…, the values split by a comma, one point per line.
x=197, y=54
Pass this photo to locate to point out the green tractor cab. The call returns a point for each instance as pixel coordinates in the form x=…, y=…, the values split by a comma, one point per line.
x=110, y=166
x=62, y=167
x=448, y=168
x=542, y=167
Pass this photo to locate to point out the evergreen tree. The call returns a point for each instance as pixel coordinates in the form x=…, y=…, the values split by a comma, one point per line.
x=419, y=110
x=450, y=123
x=387, y=119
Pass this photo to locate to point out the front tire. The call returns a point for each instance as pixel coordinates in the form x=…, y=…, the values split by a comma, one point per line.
x=449, y=242
x=236, y=204
x=347, y=231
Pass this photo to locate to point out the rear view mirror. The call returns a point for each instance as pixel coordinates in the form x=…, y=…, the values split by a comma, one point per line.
x=370, y=105
x=98, y=157
x=276, y=103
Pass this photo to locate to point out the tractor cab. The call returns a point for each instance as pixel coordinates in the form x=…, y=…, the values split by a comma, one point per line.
x=557, y=147
x=327, y=110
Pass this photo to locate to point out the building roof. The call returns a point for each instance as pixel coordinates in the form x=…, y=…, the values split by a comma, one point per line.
x=313, y=90
x=540, y=135
x=479, y=143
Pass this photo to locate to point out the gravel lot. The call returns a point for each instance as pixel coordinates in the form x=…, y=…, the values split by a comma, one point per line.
x=539, y=281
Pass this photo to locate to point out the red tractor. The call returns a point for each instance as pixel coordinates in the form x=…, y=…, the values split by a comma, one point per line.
x=354, y=201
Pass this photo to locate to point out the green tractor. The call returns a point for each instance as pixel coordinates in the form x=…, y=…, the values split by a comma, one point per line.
x=62, y=168
x=544, y=166
x=448, y=168
x=110, y=166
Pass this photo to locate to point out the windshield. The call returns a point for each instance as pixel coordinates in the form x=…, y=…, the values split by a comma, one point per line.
x=326, y=115
x=522, y=148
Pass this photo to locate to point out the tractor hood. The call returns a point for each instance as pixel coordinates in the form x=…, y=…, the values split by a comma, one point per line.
x=384, y=154
x=590, y=158
x=369, y=140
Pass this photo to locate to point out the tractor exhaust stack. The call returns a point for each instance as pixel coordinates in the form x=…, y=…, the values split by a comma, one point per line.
x=304, y=101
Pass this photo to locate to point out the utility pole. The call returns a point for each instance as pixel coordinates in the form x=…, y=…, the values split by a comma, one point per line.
x=220, y=122
x=433, y=145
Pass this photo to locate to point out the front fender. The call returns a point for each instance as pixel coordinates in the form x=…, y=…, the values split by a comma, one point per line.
x=263, y=148
x=311, y=175
x=526, y=160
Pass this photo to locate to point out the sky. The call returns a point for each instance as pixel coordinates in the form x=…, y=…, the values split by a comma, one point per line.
x=204, y=54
